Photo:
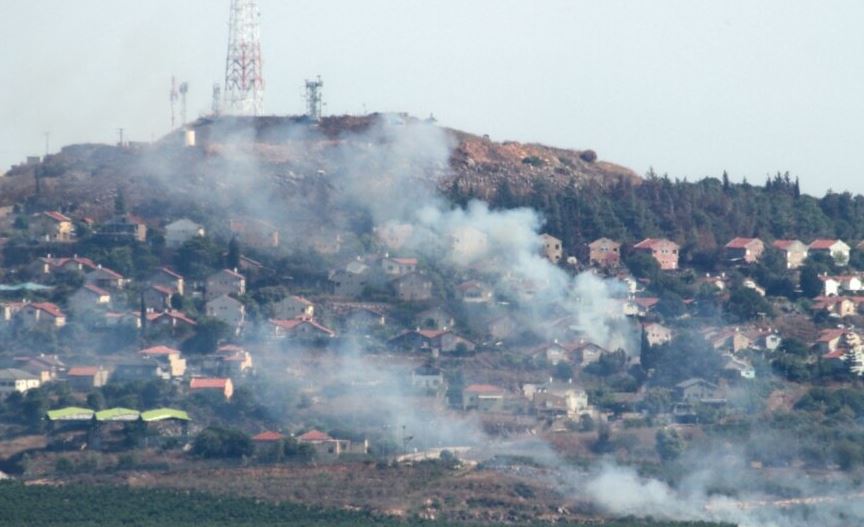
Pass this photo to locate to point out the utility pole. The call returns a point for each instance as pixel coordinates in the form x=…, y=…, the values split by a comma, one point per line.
x=120, y=133
x=173, y=97
x=244, y=80
x=47, y=143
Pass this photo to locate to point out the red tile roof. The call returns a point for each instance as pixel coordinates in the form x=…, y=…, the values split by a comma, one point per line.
x=49, y=308
x=655, y=243
x=159, y=350
x=405, y=261
x=741, y=243
x=169, y=272
x=314, y=435
x=208, y=383
x=268, y=437
x=109, y=272
x=56, y=216
x=162, y=289
x=98, y=290
x=84, y=371
x=822, y=244
x=294, y=323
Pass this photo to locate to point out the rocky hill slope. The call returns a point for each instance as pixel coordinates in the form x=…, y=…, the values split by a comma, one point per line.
x=279, y=159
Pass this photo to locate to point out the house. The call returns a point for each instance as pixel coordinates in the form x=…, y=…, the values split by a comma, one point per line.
x=105, y=278
x=46, y=367
x=181, y=231
x=836, y=249
x=88, y=298
x=745, y=250
x=169, y=279
x=728, y=339
x=15, y=380
x=229, y=310
x=300, y=328
x=413, y=287
x=838, y=306
x=828, y=340
x=794, y=252
x=557, y=399
x=169, y=358
x=228, y=361
x=698, y=390
x=433, y=340
x=398, y=266
x=225, y=282
x=143, y=369
x=639, y=306
x=171, y=319
x=662, y=250
x=656, y=334
x=588, y=353
x=327, y=447
x=268, y=443
x=221, y=385
x=427, y=378
x=157, y=297
x=604, y=252
x=85, y=378
x=830, y=285
x=254, y=233
x=51, y=226
x=44, y=314
x=737, y=368
x=849, y=350
x=483, y=397
x=125, y=227
x=551, y=248
x=358, y=316
x=48, y=265
x=475, y=292
x=554, y=352
x=851, y=283
x=435, y=318
x=292, y=306
x=351, y=281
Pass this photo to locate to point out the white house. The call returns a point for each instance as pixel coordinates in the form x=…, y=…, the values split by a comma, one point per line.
x=15, y=380
x=181, y=231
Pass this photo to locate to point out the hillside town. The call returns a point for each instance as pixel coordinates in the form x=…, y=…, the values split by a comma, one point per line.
x=131, y=332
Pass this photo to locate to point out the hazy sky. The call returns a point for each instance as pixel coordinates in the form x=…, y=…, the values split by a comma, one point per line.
x=689, y=87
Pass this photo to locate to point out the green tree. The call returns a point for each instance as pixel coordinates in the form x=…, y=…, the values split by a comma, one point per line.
x=208, y=333
x=810, y=283
x=746, y=304
x=669, y=444
x=232, y=257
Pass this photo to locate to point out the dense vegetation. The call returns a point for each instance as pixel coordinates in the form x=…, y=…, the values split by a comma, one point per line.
x=81, y=506
x=700, y=216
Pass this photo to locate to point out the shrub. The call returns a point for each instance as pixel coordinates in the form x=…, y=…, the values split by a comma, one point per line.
x=589, y=156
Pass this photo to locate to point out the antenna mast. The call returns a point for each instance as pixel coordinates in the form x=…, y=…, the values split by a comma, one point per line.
x=216, y=103
x=314, y=100
x=173, y=97
x=244, y=82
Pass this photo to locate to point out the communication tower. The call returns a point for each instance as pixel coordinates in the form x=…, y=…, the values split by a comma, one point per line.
x=216, y=103
x=244, y=81
x=314, y=100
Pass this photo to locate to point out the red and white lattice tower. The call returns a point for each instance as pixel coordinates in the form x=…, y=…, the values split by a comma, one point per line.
x=244, y=82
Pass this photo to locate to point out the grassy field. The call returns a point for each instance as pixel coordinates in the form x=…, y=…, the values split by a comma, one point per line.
x=85, y=505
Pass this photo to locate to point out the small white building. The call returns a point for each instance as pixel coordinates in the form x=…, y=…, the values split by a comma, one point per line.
x=15, y=380
x=181, y=231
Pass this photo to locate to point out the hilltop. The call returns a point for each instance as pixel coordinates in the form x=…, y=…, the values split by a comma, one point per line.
x=288, y=155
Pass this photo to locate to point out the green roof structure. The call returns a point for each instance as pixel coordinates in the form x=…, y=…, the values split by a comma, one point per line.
x=118, y=414
x=161, y=414
x=70, y=413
